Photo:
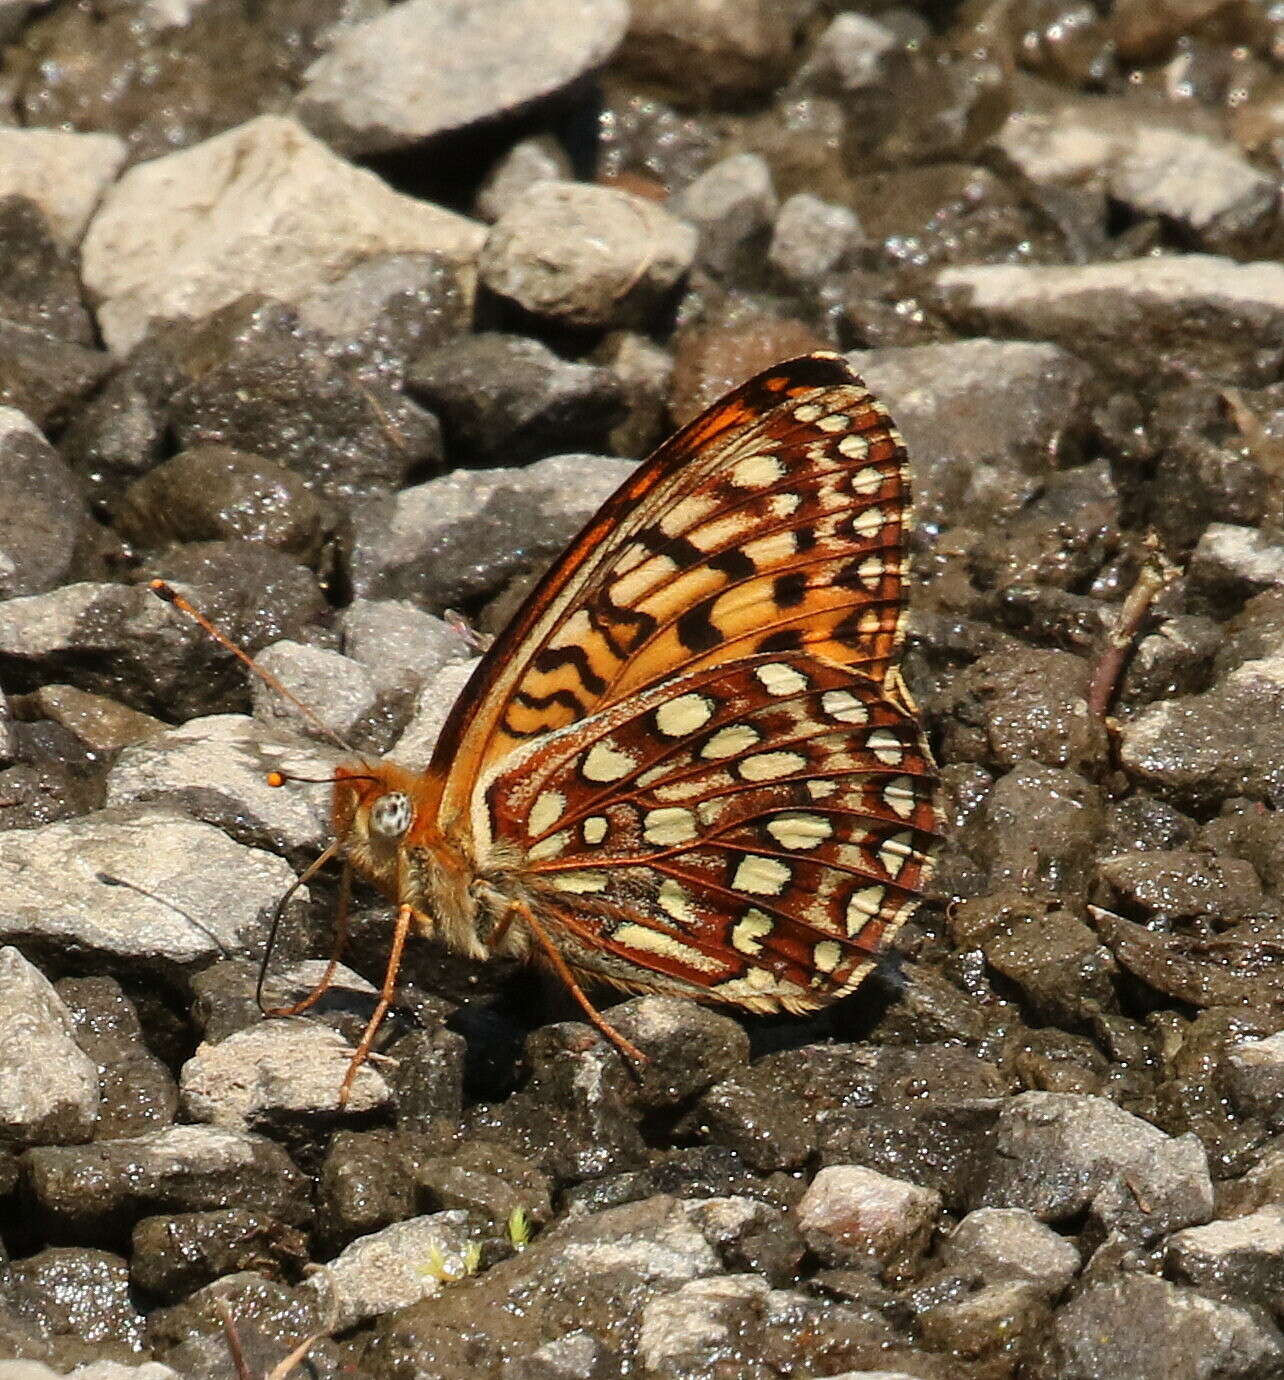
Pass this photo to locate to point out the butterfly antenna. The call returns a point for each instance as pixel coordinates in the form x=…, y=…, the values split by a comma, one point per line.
x=172, y=596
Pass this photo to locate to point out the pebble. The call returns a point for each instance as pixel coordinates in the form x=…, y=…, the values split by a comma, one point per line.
x=42, y=511
x=1254, y=1071
x=1232, y=561
x=99, y=1191
x=64, y=172
x=1010, y=1244
x=49, y=1094
x=450, y=540
x=1211, y=314
x=393, y=1268
x=851, y=1215
x=178, y=1253
x=340, y=691
x=397, y=642
x=733, y=207
x=503, y=399
x=537, y=159
x=1059, y=1155
x=1174, y=885
x=586, y=256
x=277, y=1074
x=216, y=768
x=142, y=887
x=812, y=238
x=1243, y=1258
x=421, y=70
x=268, y=167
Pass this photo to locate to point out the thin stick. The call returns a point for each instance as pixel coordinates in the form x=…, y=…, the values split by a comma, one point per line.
x=386, y=995
x=1154, y=576
x=336, y=950
x=562, y=969
x=288, y=1363
x=172, y=596
x=233, y=1341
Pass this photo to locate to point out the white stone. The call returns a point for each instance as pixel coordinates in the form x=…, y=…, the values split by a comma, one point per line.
x=138, y=882
x=263, y=207
x=64, y=173
x=394, y=639
x=48, y=1084
x=432, y=706
x=851, y=1213
x=339, y=690
x=427, y=67
x=393, y=1268
x=289, y=1067
x=217, y=767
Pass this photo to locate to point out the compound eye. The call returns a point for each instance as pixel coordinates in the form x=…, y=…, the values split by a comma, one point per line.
x=391, y=815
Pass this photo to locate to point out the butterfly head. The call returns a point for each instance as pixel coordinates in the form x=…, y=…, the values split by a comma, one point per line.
x=374, y=809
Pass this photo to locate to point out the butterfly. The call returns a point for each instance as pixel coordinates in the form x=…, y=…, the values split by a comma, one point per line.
x=689, y=765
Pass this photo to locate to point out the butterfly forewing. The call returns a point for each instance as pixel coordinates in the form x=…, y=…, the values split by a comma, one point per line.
x=745, y=833
x=774, y=522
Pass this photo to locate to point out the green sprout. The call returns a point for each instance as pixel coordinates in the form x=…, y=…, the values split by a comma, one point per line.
x=452, y=1271
x=519, y=1228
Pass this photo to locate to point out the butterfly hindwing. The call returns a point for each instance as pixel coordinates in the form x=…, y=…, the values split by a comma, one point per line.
x=747, y=833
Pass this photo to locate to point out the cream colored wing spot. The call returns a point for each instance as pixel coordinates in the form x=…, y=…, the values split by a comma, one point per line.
x=726, y=742
x=578, y=882
x=899, y=796
x=769, y=766
x=749, y=931
x=594, y=828
x=895, y=852
x=762, y=876
x=871, y=570
x=683, y=716
x=779, y=678
x=808, y=413
x=835, y=421
x=826, y=955
x=856, y=447
x=551, y=847
x=863, y=906
x=758, y=471
x=675, y=901
x=668, y=826
x=548, y=808
x=844, y=706
x=886, y=746
x=869, y=522
x=648, y=941
x=784, y=505
x=605, y=763
x=798, y=831
x=819, y=790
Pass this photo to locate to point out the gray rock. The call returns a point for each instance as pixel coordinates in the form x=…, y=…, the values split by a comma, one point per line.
x=688, y=1046
x=215, y=251
x=851, y=55
x=78, y=1294
x=1001, y=1244
x=733, y=206
x=216, y=769
x=1211, y=314
x=465, y=534
x=42, y=510
x=700, y=1319
x=505, y=399
x=398, y=642
x=1144, y=1328
x=45, y=376
x=99, y=1191
x=981, y=419
x=432, y=706
x=49, y=1092
x=139, y=886
x=586, y=256
x=1181, y=885
x=812, y=237
x=427, y=68
x=393, y=1268
x=1058, y=1155
x=1254, y=1071
x=282, y=1072
x=1243, y=1257
x=1227, y=741
x=1197, y=179
x=95, y=1370
x=340, y=691
x=1230, y=560
x=851, y=1215
x=63, y=172
x=537, y=159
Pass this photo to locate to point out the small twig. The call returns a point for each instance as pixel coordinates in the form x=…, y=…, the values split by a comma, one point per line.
x=328, y=1325
x=1154, y=576
x=233, y=1340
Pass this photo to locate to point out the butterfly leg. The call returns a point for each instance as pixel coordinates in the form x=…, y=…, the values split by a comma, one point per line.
x=386, y=994
x=563, y=971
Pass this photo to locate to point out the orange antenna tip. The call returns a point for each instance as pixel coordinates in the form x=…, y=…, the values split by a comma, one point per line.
x=276, y=778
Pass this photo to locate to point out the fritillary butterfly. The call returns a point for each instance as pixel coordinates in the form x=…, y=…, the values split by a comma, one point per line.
x=689, y=765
